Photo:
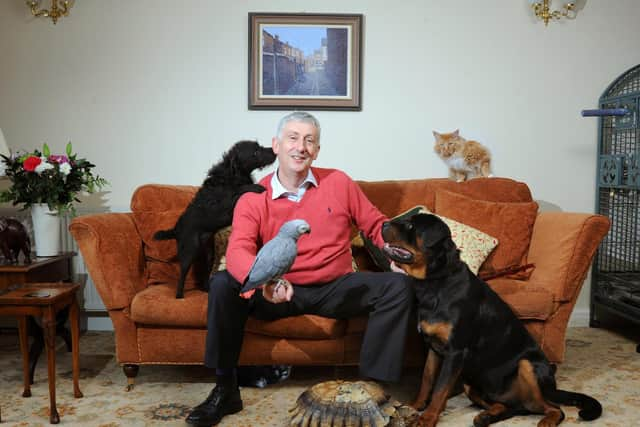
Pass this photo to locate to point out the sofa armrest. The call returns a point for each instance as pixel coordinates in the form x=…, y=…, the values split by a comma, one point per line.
x=562, y=248
x=112, y=251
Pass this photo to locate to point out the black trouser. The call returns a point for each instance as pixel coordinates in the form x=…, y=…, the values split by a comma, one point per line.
x=387, y=298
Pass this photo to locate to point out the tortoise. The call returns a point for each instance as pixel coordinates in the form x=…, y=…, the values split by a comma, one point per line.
x=349, y=404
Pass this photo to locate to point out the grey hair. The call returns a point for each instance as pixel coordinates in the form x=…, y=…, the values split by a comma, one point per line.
x=299, y=116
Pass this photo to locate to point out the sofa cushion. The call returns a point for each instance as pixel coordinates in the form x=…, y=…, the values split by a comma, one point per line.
x=528, y=301
x=158, y=306
x=307, y=326
x=511, y=223
x=220, y=243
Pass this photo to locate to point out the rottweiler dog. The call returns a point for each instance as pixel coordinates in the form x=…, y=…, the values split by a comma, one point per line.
x=473, y=335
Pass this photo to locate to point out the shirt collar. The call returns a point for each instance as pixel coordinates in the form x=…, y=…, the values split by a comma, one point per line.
x=278, y=190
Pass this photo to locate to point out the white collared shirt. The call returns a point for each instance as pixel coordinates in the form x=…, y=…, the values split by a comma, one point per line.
x=278, y=189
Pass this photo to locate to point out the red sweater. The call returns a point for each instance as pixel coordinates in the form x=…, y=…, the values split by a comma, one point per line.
x=330, y=209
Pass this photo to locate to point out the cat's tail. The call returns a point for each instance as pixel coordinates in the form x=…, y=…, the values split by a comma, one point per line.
x=485, y=167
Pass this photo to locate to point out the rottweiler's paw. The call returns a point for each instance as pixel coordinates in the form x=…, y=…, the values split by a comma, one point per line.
x=481, y=420
x=426, y=420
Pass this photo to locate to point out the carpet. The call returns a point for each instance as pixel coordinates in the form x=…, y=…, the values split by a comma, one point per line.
x=601, y=363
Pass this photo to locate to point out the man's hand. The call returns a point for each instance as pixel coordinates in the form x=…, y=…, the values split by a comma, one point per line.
x=277, y=292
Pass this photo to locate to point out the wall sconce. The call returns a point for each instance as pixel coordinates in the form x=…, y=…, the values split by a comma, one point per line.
x=542, y=10
x=54, y=12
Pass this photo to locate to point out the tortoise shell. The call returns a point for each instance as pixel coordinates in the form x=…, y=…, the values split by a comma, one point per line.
x=348, y=404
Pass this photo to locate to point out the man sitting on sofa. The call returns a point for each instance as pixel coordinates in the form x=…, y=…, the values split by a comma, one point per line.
x=321, y=281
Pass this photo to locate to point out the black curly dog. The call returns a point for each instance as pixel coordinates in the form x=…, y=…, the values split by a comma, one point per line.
x=473, y=335
x=212, y=208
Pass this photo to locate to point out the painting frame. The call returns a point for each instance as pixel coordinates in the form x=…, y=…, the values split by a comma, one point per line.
x=283, y=75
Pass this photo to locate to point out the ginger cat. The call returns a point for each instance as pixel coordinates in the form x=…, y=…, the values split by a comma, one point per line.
x=465, y=159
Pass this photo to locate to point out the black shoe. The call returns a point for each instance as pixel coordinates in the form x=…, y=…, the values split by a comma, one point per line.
x=223, y=400
x=279, y=373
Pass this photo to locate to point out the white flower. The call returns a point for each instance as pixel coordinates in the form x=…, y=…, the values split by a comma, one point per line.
x=65, y=169
x=43, y=166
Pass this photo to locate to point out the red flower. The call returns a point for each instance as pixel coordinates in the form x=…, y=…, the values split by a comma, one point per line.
x=31, y=162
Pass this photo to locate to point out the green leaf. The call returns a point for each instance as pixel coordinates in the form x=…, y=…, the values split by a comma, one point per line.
x=69, y=149
x=45, y=150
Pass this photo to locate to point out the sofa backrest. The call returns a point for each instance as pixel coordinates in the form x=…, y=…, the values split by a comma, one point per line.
x=158, y=207
x=395, y=197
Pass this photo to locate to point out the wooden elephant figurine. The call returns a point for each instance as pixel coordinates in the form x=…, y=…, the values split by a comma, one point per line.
x=13, y=239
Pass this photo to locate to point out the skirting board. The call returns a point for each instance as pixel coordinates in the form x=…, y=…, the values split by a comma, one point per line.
x=100, y=323
x=579, y=318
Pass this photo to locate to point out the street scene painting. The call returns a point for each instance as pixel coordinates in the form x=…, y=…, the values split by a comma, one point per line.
x=306, y=61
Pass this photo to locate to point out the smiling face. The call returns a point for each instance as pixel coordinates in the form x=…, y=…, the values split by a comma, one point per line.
x=296, y=146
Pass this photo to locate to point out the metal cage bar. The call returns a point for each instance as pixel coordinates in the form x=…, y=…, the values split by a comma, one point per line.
x=615, y=282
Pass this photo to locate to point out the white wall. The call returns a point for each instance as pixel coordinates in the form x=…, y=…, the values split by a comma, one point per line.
x=156, y=90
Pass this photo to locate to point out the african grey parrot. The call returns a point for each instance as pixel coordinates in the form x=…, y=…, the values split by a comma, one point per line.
x=276, y=257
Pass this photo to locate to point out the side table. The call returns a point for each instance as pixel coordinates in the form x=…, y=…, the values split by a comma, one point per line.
x=45, y=300
x=42, y=269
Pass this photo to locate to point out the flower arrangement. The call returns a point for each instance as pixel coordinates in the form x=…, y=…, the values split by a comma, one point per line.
x=54, y=179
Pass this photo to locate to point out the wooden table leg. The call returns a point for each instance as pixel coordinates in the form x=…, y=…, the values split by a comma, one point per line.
x=49, y=326
x=75, y=345
x=24, y=348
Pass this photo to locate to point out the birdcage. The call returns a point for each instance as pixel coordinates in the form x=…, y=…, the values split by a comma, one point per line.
x=615, y=281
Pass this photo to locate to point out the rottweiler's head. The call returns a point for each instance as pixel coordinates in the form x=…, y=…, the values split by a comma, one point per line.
x=421, y=245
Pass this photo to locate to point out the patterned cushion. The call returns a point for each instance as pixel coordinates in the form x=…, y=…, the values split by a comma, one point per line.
x=220, y=242
x=475, y=246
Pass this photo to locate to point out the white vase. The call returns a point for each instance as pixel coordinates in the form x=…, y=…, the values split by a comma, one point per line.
x=46, y=230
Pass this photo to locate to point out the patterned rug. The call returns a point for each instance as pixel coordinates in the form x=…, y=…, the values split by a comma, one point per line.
x=599, y=362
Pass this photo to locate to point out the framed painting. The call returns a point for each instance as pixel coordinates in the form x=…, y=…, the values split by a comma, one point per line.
x=305, y=61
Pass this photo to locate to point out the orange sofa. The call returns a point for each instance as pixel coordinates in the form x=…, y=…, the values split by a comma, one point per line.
x=136, y=276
